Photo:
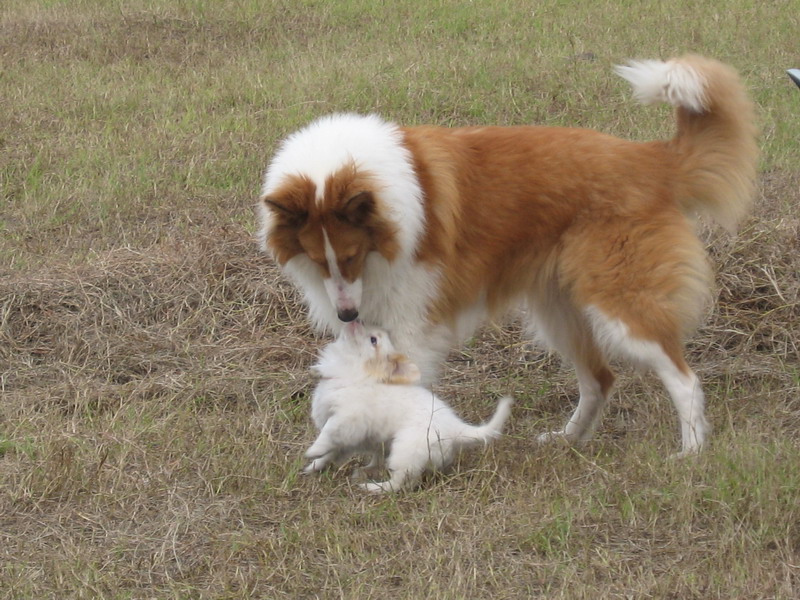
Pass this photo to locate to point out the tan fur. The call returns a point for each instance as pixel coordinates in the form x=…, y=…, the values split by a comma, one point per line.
x=718, y=149
x=395, y=369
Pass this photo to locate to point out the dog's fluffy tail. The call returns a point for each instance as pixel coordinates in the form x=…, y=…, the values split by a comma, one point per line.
x=716, y=140
x=492, y=428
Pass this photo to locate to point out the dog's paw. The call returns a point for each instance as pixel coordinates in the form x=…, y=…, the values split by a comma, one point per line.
x=311, y=467
x=685, y=454
x=553, y=437
x=374, y=487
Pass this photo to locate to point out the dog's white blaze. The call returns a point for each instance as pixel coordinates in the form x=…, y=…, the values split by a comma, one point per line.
x=344, y=295
x=330, y=256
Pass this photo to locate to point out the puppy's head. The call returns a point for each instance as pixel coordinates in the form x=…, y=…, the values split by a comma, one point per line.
x=371, y=351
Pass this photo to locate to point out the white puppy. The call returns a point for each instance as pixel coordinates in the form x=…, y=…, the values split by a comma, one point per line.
x=367, y=403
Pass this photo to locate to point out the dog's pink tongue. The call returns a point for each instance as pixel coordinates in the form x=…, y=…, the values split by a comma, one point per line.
x=355, y=327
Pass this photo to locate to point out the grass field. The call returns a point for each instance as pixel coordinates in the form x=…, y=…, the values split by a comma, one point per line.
x=154, y=367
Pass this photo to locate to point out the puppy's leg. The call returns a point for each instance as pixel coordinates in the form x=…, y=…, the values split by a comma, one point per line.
x=321, y=455
x=319, y=463
x=394, y=484
x=325, y=448
x=406, y=462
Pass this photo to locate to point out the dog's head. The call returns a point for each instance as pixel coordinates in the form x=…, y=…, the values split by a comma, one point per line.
x=362, y=352
x=337, y=194
x=335, y=228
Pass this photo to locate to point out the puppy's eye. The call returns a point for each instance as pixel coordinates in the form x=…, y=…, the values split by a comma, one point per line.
x=373, y=340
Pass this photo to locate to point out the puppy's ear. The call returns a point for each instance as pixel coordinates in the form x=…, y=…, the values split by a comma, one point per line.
x=358, y=208
x=285, y=209
x=401, y=371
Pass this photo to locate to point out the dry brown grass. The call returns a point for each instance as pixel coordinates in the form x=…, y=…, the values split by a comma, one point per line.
x=155, y=411
x=154, y=368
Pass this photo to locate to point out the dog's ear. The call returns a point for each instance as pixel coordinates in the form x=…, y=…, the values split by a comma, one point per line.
x=358, y=208
x=285, y=210
x=401, y=371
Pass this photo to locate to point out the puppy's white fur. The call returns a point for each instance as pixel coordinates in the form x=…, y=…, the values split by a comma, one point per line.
x=367, y=403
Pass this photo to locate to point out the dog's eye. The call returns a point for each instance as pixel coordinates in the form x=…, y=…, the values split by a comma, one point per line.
x=373, y=340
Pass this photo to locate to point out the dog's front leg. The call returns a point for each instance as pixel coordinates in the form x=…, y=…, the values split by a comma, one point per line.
x=322, y=452
x=318, y=463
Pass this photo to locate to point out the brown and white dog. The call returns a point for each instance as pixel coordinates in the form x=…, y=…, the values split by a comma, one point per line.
x=426, y=231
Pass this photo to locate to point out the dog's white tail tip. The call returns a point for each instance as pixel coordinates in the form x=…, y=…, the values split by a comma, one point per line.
x=673, y=81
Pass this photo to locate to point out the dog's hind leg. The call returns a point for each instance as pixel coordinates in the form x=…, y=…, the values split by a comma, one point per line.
x=594, y=387
x=562, y=327
x=689, y=401
x=666, y=360
x=642, y=281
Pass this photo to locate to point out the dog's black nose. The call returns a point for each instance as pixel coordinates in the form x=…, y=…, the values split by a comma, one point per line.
x=348, y=314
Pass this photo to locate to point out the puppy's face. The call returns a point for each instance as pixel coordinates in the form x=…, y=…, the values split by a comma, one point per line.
x=373, y=348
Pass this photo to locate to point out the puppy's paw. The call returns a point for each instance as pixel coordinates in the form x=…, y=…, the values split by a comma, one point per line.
x=312, y=467
x=374, y=487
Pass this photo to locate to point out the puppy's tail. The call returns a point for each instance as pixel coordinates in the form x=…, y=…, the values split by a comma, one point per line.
x=715, y=145
x=492, y=428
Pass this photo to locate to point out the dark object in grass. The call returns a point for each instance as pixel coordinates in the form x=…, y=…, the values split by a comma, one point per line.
x=795, y=75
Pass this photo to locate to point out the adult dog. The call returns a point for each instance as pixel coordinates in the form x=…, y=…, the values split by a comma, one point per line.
x=426, y=231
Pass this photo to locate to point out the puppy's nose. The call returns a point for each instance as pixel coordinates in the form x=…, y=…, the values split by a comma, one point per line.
x=348, y=314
